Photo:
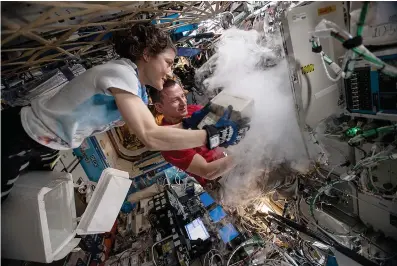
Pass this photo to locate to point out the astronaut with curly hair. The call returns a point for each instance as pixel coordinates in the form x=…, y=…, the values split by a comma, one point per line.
x=103, y=97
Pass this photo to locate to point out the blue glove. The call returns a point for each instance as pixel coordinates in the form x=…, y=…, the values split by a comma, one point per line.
x=194, y=120
x=226, y=132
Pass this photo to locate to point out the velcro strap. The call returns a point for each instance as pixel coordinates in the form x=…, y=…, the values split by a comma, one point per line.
x=353, y=43
x=317, y=49
x=213, y=138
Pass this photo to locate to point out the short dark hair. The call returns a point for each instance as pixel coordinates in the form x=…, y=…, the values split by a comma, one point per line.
x=131, y=43
x=156, y=95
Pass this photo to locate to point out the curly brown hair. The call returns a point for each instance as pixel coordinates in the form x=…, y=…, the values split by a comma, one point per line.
x=131, y=43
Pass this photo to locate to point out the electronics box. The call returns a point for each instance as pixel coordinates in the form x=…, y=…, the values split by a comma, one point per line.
x=39, y=220
x=370, y=92
x=243, y=107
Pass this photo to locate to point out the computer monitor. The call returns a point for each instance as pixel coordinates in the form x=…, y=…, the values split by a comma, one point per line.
x=206, y=199
x=196, y=230
x=217, y=214
x=228, y=233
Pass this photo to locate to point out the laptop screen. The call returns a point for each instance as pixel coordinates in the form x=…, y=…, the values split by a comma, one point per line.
x=196, y=230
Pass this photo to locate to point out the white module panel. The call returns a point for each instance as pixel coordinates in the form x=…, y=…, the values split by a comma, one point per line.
x=322, y=99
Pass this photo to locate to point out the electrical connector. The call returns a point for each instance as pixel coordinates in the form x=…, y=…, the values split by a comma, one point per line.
x=334, y=66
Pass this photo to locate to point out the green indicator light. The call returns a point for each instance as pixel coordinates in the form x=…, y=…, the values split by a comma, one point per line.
x=351, y=132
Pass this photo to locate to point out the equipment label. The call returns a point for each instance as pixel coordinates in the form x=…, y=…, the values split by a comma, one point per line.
x=384, y=30
x=326, y=10
x=307, y=69
x=298, y=17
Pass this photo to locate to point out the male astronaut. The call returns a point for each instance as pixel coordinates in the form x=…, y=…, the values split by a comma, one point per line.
x=201, y=163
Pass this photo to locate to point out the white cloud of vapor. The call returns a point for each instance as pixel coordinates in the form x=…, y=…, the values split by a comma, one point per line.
x=243, y=67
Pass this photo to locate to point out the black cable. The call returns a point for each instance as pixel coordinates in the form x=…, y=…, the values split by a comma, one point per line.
x=325, y=239
x=360, y=149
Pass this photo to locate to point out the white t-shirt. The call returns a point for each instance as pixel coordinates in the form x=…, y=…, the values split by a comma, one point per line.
x=83, y=107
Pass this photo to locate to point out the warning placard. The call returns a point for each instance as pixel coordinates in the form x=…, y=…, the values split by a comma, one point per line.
x=326, y=10
x=307, y=69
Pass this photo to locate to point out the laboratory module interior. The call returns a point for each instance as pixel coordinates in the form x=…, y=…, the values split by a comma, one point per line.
x=314, y=179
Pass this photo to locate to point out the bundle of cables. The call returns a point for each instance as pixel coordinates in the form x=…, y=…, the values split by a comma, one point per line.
x=353, y=44
x=371, y=133
x=212, y=256
x=253, y=241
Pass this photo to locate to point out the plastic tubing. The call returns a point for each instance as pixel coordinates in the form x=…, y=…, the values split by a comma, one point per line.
x=342, y=35
x=363, y=14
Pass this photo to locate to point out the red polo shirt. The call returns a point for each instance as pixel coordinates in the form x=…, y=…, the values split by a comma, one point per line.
x=183, y=158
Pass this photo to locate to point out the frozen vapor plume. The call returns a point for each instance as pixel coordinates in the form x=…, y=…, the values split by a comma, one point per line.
x=246, y=65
